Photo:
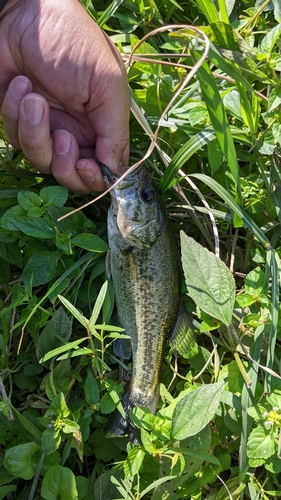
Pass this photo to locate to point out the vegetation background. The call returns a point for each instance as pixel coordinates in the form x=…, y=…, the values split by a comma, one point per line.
x=216, y=434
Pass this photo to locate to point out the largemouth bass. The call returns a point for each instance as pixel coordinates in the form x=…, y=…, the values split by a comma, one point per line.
x=144, y=266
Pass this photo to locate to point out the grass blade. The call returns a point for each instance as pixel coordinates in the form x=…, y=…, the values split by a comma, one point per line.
x=230, y=201
x=211, y=97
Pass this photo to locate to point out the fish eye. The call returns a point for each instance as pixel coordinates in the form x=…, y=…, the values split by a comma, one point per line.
x=148, y=195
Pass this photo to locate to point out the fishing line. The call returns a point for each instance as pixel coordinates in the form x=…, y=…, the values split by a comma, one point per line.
x=186, y=80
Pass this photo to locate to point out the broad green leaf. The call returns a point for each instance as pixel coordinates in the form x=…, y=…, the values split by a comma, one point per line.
x=90, y=242
x=56, y=332
x=18, y=460
x=41, y=268
x=193, y=412
x=103, y=486
x=261, y=444
x=270, y=39
x=215, y=155
x=133, y=462
x=208, y=280
x=59, y=482
x=27, y=425
x=258, y=413
x=274, y=99
x=69, y=427
x=255, y=282
x=59, y=406
x=4, y=490
x=58, y=379
x=231, y=101
x=28, y=200
x=54, y=196
x=91, y=388
x=222, y=35
x=35, y=227
x=62, y=242
x=51, y=440
x=7, y=221
x=277, y=10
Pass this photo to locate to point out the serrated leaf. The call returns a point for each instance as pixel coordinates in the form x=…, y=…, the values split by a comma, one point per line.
x=58, y=380
x=69, y=426
x=91, y=388
x=59, y=407
x=28, y=200
x=35, y=227
x=90, y=242
x=208, y=280
x=59, y=482
x=41, y=267
x=54, y=196
x=261, y=444
x=193, y=412
x=133, y=462
x=18, y=460
x=57, y=330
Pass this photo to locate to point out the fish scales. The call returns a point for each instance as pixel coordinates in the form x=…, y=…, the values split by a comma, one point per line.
x=144, y=266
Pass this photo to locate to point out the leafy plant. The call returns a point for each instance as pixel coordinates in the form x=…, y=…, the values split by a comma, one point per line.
x=206, y=102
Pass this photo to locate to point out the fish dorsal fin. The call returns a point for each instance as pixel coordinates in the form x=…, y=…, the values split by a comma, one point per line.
x=182, y=338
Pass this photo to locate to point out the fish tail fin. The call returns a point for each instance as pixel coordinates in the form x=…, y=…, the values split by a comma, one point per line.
x=120, y=423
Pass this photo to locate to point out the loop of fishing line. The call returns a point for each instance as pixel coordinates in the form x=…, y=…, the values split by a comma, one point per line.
x=189, y=76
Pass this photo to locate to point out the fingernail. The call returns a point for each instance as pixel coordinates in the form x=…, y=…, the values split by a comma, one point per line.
x=20, y=86
x=33, y=109
x=62, y=141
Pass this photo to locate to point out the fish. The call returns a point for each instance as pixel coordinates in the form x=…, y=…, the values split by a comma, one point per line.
x=144, y=265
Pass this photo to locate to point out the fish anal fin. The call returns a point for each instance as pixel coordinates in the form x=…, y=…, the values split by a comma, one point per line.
x=182, y=338
x=122, y=348
x=119, y=425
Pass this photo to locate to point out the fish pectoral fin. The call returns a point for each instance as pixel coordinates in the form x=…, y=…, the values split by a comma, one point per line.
x=122, y=348
x=108, y=265
x=182, y=337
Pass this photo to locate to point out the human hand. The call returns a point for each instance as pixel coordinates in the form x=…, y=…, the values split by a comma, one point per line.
x=63, y=92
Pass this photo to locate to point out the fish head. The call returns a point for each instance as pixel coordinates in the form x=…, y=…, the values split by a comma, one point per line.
x=137, y=206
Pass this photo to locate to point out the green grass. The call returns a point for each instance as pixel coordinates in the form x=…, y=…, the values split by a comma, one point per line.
x=206, y=105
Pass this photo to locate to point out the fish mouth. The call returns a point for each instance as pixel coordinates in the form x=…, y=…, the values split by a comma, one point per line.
x=109, y=177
